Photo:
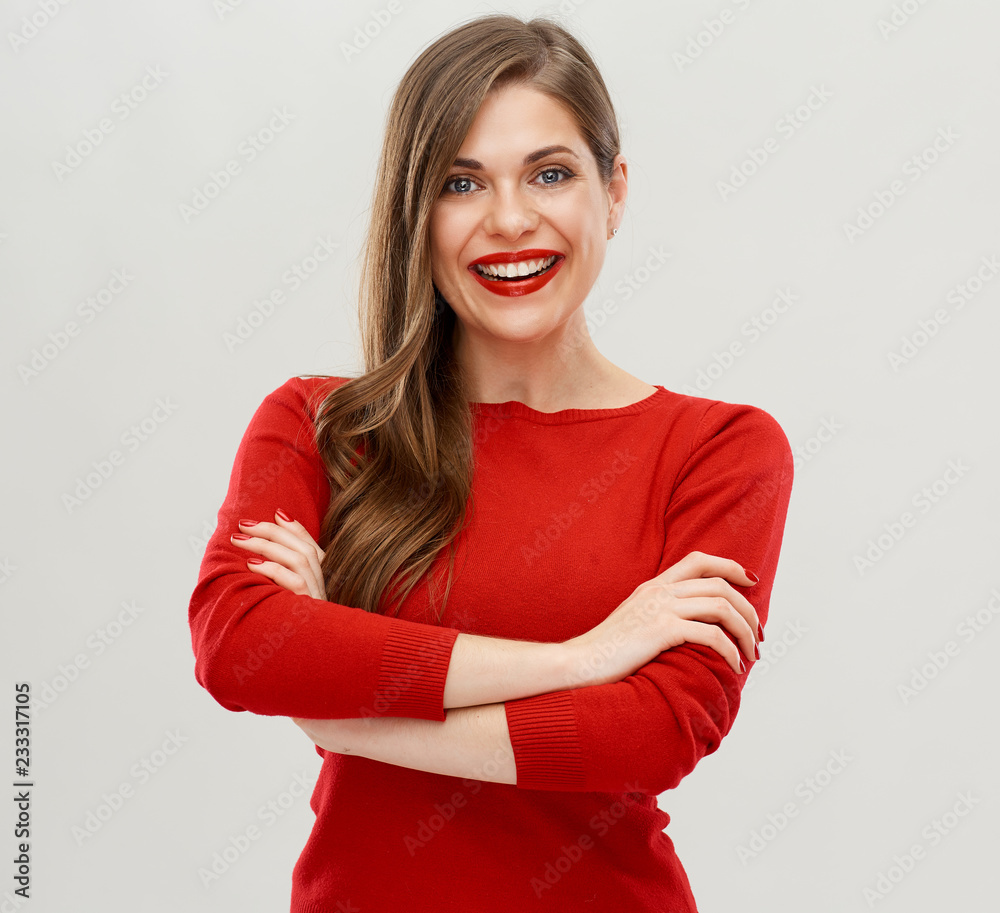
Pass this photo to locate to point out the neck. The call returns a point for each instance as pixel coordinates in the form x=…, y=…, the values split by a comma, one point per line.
x=547, y=374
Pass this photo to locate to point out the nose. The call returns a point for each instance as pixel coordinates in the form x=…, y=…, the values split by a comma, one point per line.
x=511, y=214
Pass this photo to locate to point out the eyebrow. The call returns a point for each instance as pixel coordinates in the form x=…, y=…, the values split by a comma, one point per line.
x=529, y=159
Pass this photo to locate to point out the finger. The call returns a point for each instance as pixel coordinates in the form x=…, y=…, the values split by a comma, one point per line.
x=286, y=578
x=710, y=636
x=279, y=533
x=260, y=532
x=293, y=563
x=719, y=610
x=716, y=586
x=298, y=530
x=699, y=564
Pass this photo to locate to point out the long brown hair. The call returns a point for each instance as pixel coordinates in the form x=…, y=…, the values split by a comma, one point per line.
x=396, y=441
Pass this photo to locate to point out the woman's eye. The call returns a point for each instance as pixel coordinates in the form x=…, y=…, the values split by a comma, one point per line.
x=460, y=185
x=458, y=181
x=565, y=172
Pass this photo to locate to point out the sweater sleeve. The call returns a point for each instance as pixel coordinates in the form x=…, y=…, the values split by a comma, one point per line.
x=262, y=648
x=647, y=732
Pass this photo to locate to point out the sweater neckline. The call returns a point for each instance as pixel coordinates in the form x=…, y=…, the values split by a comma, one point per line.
x=514, y=408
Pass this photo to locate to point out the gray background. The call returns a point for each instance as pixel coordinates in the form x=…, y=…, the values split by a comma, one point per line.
x=843, y=637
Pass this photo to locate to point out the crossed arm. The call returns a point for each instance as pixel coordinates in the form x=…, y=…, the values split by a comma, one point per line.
x=473, y=741
x=483, y=673
x=510, y=704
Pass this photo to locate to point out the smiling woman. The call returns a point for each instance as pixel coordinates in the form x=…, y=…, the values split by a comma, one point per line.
x=609, y=545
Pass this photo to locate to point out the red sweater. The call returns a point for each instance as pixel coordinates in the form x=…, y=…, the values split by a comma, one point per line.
x=572, y=510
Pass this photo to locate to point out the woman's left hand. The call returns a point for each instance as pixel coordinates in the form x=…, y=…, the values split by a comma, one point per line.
x=287, y=554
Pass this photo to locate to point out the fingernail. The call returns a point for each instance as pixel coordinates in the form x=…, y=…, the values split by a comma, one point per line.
x=756, y=652
x=248, y=522
x=760, y=633
x=241, y=536
x=743, y=668
x=283, y=515
x=255, y=560
x=751, y=575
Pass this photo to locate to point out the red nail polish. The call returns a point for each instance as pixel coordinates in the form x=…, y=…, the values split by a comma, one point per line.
x=743, y=667
x=241, y=536
x=248, y=522
x=756, y=652
x=760, y=632
x=283, y=515
x=255, y=560
x=751, y=575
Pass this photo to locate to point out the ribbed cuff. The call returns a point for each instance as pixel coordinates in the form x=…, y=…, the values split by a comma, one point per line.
x=415, y=662
x=546, y=744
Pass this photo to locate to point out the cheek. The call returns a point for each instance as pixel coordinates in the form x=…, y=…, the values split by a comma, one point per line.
x=444, y=242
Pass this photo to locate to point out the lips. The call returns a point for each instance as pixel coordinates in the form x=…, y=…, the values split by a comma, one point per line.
x=515, y=287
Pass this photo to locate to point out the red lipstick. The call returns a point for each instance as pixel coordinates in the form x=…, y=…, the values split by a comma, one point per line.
x=514, y=287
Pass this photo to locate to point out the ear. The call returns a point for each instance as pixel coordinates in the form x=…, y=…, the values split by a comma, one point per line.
x=617, y=191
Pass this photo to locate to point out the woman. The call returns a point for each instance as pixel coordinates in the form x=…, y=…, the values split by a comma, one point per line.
x=498, y=743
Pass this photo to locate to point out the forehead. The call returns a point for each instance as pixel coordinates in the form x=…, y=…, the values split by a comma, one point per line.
x=516, y=120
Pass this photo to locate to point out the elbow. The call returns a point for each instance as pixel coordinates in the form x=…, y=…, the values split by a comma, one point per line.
x=233, y=649
x=667, y=771
x=694, y=735
x=220, y=678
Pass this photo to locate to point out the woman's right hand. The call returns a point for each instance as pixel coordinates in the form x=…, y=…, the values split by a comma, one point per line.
x=680, y=605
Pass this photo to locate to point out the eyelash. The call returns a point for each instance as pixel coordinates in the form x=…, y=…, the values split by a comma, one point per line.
x=560, y=169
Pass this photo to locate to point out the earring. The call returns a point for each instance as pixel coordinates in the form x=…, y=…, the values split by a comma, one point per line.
x=614, y=232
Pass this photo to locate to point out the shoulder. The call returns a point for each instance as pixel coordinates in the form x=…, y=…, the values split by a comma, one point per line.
x=747, y=430
x=304, y=392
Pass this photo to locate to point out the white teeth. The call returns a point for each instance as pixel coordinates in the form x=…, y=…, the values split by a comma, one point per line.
x=510, y=270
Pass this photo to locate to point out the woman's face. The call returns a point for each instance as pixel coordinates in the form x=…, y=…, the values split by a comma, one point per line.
x=507, y=195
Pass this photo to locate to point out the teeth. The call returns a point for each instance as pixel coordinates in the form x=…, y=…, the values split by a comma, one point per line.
x=512, y=270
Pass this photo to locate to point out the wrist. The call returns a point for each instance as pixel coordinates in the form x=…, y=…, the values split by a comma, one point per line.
x=583, y=664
